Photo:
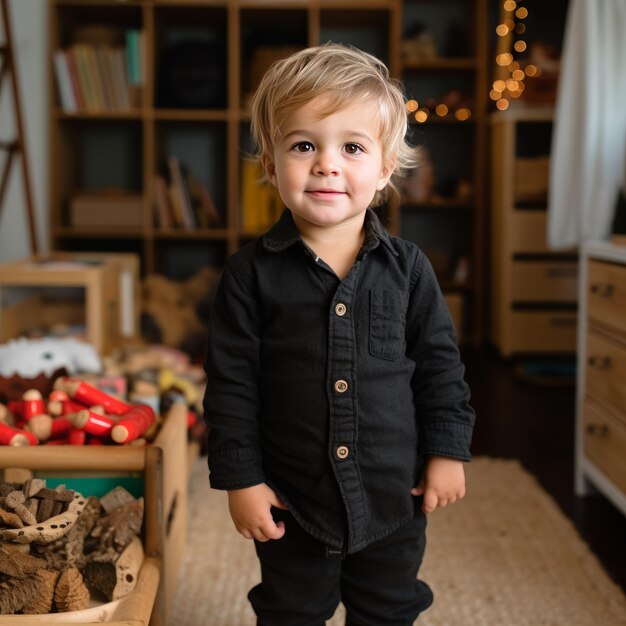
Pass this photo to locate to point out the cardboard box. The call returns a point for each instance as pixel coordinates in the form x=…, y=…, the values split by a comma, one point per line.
x=162, y=468
x=97, y=292
x=106, y=210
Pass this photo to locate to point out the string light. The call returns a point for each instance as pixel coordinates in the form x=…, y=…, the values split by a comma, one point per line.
x=412, y=105
x=502, y=30
x=463, y=114
x=441, y=110
x=512, y=75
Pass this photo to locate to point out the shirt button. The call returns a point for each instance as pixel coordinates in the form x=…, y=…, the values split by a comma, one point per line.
x=341, y=386
x=340, y=309
x=342, y=452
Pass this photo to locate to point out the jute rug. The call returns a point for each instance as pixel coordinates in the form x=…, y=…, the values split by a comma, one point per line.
x=503, y=556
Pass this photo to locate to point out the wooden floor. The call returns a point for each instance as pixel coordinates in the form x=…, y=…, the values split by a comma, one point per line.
x=533, y=421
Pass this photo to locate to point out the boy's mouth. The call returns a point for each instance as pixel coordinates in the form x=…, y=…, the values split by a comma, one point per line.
x=325, y=192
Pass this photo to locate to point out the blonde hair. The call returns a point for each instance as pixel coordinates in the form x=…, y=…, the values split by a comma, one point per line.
x=343, y=75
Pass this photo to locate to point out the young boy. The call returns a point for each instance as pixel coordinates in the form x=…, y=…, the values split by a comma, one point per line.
x=338, y=411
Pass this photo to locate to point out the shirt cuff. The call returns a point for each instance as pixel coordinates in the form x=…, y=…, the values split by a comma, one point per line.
x=446, y=438
x=235, y=468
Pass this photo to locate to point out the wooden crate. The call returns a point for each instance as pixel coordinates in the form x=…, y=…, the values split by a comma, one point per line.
x=39, y=292
x=163, y=468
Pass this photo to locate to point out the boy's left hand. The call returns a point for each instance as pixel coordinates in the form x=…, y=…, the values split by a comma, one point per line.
x=443, y=483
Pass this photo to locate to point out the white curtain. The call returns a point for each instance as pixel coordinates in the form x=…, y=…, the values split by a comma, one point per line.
x=588, y=155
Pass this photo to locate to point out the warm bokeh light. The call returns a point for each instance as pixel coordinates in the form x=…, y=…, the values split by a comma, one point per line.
x=519, y=46
x=441, y=110
x=518, y=75
x=421, y=116
x=509, y=5
x=520, y=28
x=521, y=13
x=462, y=114
x=494, y=94
x=531, y=70
x=513, y=66
x=511, y=84
x=505, y=58
x=502, y=30
x=502, y=104
x=412, y=105
x=509, y=23
x=499, y=85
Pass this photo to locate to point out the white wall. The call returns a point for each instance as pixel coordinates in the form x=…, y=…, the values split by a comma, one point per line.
x=29, y=30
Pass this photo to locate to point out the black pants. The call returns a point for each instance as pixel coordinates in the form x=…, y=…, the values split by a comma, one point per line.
x=378, y=585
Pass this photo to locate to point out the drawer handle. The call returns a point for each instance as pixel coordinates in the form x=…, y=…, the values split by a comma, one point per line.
x=599, y=362
x=561, y=272
x=601, y=430
x=604, y=290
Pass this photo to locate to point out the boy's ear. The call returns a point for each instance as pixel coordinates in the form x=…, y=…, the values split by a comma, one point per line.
x=385, y=175
x=270, y=169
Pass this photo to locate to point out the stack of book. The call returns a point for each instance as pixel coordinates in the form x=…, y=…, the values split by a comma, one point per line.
x=182, y=200
x=100, y=78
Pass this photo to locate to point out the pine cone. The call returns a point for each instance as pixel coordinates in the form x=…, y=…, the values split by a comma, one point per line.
x=41, y=602
x=15, y=593
x=71, y=593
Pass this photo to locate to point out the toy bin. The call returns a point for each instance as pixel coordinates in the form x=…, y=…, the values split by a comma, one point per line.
x=159, y=472
x=91, y=295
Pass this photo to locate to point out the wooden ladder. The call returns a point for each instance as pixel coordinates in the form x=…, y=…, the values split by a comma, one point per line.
x=16, y=147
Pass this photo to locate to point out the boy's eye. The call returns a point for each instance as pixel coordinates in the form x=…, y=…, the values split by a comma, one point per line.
x=353, y=148
x=303, y=146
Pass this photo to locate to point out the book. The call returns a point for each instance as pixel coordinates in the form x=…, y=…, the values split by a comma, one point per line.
x=200, y=217
x=164, y=211
x=106, y=77
x=73, y=71
x=132, y=57
x=260, y=203
x=120, y=78
x=64, y=83
x=181, y=193
x=208, y=206
x=94, y=75
x=84, y=78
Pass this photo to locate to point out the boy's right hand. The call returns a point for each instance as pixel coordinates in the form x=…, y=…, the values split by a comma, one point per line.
x=251, y=514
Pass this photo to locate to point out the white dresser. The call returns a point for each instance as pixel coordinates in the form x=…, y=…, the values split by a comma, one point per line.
x=601, y=385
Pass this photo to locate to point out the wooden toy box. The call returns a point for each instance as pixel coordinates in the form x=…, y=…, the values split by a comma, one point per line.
x=162, y=468
x=97, y=291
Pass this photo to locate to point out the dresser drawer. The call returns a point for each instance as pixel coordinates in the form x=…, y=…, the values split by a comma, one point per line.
x=545, y=281
x=604, y=443
x=606, y=294
x=605, y=372
x=528, y=231
x=543, y=331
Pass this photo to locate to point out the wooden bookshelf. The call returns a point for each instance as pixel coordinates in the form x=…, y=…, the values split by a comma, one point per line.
x=126, y=148
x=210, y=135
x=450, y=69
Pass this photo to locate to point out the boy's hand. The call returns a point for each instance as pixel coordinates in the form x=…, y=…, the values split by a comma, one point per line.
x=250, y=512
x=443, y=483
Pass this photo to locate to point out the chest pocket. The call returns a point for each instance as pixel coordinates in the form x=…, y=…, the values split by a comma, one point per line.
x=387, y=323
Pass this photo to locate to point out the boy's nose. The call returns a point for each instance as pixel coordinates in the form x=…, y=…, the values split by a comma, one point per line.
x=325, y=164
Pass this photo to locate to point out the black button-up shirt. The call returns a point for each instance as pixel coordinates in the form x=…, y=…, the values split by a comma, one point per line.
x=332, y=391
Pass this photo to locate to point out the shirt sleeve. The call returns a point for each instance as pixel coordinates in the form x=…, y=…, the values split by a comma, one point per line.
x=231, y=400
x=441, y=396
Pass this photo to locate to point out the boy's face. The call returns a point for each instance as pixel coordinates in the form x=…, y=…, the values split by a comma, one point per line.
x=328, y=169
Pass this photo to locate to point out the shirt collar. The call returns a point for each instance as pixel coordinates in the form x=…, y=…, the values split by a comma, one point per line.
x=284, y=234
